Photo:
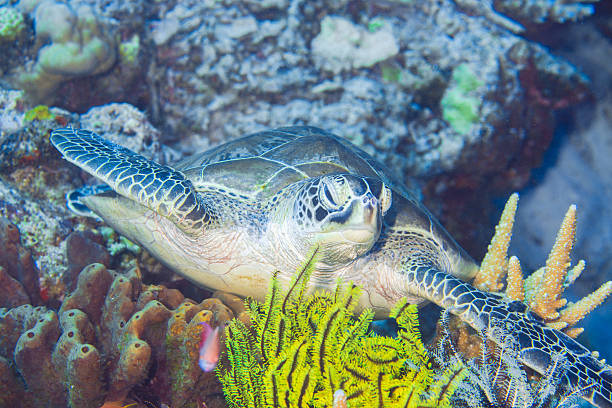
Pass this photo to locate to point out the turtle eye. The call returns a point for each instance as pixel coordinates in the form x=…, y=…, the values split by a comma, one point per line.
x=326, y=196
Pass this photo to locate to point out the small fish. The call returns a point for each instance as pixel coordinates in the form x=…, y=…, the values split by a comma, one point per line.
x=210, y=347
x=340, y=399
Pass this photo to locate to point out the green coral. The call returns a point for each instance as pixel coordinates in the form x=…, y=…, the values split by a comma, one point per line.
x=11, y=24
x=40, y=112
x=301, y=349
x=459, y=107
x=391, y=73
x=128, y=50
x=117, y=243
x=375, y=25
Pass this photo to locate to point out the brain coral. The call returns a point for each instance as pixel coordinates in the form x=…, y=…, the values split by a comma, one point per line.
x=113, y=339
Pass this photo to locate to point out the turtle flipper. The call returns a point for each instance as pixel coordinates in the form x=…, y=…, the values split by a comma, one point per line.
x=535, y=344
x=74, y=199
x=159, y=188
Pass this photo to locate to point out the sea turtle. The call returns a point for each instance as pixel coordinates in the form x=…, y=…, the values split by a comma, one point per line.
x=231, y=216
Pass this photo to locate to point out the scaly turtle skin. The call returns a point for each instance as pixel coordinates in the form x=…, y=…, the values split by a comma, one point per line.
x=229, y=217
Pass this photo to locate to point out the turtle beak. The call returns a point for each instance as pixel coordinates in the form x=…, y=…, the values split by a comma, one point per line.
x=366, y=227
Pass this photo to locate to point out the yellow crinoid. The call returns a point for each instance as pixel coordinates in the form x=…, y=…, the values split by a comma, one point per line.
x=542, y=290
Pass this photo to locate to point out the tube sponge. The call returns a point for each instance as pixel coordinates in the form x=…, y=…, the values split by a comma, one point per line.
x=110, y=335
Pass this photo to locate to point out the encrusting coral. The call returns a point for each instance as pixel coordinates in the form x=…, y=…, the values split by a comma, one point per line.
x=311, y=351
x=113, y=339
x=542, y=290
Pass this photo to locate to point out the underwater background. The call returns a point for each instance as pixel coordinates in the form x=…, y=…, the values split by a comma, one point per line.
x=466, y=101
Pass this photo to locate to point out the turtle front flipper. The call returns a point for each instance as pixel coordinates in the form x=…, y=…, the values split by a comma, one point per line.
x=536, y=344
x=74, y=199
x=159, y=188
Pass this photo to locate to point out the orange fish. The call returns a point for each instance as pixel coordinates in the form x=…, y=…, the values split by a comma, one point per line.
x=210, y=347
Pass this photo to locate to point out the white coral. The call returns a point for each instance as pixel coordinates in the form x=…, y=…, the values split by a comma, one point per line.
x=341, y=45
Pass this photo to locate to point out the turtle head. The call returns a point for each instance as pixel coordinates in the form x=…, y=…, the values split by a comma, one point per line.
x=342, y=214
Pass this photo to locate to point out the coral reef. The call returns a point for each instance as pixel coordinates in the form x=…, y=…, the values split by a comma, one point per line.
x=310, y=350
x=125, y=125
x=541, y=11
x=541, y=290
x=11, y=24
x=342, y=46
x=18, y=273
x=81, y=43
x=528, y=12
x=222, y=69
x=113, y=339
x=459, y=108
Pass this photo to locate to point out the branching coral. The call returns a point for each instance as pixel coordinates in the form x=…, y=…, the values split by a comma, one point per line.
x=113, y=334
x=311, y=351
x=542, y=290
x=495, y=262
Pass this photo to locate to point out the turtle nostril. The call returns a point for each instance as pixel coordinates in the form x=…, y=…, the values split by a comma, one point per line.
x=369, y=199
x=369, y=212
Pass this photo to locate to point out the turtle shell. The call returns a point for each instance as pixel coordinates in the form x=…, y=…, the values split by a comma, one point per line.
x=259, y=165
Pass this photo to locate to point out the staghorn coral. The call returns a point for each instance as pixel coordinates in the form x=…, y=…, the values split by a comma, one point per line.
x=311, y=351
x=114, y=338
x=542, y=290
x=495, y=261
